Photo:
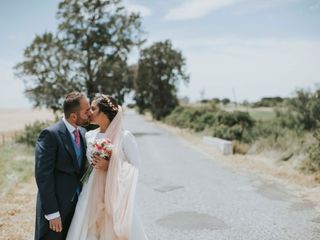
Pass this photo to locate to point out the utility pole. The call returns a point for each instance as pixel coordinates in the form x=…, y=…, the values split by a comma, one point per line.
x=234, y=97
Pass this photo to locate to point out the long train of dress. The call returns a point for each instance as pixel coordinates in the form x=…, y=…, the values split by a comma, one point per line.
x=79, y=229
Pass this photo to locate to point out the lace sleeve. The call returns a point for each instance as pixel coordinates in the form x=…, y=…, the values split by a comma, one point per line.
x=90, y=139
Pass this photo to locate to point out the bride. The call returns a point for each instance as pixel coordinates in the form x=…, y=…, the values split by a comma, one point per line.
x=106, y=205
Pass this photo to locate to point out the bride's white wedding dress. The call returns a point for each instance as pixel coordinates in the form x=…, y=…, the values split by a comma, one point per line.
x=105, y=208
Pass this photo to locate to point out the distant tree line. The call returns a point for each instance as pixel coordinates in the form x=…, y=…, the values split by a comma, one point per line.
x=268, y=102
x=224, y=101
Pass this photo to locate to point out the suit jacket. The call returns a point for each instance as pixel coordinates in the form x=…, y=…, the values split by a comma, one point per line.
x=58, y=174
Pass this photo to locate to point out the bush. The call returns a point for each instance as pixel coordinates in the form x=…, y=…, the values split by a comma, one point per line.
x=227, y=132
x=272, y=137
x=226, y=125
x=180, y=117
x=191, y=117
x=313, y=162
x=240, y=148
x=31, y=132
x=288, y=119
x=302, y=112
x=204, y=121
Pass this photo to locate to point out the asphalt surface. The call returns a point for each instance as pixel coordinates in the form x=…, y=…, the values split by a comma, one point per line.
x=183, y=195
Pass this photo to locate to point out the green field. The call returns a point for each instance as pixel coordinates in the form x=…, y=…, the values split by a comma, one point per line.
x=16, y=164
x=263, y=113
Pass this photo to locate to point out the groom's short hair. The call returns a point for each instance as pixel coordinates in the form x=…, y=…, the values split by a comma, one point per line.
x=71, y=103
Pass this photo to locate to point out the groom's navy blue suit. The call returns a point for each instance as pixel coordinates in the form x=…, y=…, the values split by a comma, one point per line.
x=58, y=171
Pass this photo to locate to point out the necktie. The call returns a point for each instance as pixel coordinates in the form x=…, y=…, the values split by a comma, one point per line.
x=77, y=137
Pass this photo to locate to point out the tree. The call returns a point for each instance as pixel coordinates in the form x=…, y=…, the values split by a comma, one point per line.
x=160, y=70
x=46, y=72
x=225, y=101
x=88, y=53
x=216, y=100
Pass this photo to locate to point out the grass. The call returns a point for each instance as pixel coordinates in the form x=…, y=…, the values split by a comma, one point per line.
x=16, y=164
x=17, y=198
x=263, y=113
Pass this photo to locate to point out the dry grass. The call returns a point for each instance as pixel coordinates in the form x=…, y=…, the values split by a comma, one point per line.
x=17, y=212
x=18, y=189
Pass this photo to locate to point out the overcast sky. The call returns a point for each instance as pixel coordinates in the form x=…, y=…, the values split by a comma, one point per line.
x=254, y=48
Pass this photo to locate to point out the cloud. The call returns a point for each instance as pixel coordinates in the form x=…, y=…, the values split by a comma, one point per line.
x=143, y=10
x=315, y=6
x=254, y=67
x=192, y=9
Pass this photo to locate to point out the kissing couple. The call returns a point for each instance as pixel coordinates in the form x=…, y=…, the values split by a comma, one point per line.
x=87, y=180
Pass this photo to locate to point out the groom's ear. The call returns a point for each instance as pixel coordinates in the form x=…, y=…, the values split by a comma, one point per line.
x=73, y=116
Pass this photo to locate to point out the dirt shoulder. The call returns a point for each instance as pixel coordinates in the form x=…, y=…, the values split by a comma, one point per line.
x=17, y=212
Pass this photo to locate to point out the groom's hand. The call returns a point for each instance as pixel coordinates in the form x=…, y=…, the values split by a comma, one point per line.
x=55, y=224
x=100, y=163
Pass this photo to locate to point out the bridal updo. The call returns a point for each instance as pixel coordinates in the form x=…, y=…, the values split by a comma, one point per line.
x=108, y=105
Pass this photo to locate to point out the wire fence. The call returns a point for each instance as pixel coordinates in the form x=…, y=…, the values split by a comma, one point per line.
x=8, y=137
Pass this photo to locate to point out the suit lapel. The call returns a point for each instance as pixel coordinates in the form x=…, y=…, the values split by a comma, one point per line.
x=82, y=136
x=68, y=145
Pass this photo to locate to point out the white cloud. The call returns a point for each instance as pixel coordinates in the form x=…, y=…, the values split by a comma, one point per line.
x=143, y=10
x=255, y=68
x=315, y=6
x=191, y=9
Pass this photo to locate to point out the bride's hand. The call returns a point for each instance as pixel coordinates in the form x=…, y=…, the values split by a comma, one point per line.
x=99, y=163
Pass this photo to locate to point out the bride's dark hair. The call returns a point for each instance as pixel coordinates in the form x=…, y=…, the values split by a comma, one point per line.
x=108, y=105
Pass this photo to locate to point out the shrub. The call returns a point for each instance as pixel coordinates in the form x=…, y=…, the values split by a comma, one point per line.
x=302, y=112
x=222, y=124
x=204, y=121
x=181, y=117
x=288, y=119
x=313, y=162
x=191, y=117
x=240, y=148
x=227, y=132
x=31, y=132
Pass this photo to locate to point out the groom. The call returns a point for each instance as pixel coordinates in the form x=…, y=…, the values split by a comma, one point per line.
x=60, y=163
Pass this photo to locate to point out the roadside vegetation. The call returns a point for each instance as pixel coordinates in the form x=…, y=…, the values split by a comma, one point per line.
x=287, y=128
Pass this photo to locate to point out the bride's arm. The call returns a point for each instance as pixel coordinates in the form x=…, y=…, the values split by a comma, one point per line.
x=130, y=149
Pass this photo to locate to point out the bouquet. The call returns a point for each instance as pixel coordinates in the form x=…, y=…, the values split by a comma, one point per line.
x=102, y=148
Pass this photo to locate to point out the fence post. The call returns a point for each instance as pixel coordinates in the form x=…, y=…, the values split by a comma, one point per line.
x=3, y=137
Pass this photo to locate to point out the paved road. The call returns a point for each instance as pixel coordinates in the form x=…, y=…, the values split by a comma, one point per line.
x=182, y=195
